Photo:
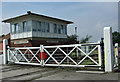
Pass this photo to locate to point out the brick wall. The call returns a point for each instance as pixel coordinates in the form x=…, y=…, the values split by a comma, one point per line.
x=7, y=36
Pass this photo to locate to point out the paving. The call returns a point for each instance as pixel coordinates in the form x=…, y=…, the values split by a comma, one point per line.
x=22, y=72
x=72, y=75
x=27, y=72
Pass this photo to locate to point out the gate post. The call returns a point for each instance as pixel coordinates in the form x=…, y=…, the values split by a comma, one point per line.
x=99, y=55
x=5, y=43
x=42, y=50
x=116, y=54
x=108, y=49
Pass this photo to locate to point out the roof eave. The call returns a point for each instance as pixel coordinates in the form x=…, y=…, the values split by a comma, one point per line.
x=10, y=19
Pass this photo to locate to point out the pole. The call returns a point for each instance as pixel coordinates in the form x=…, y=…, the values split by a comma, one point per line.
x=76, y=33
x=42, y=50
x=5, y=43
x=103, y=58
x=99, y=55
x=108, y=48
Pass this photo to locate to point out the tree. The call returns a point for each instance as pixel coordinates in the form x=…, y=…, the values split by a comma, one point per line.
x=86, y=39
x=72, y=39
x=116, y=37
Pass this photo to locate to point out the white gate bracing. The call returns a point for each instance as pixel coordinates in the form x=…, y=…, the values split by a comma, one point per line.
x=76, y=55
x=24, y=55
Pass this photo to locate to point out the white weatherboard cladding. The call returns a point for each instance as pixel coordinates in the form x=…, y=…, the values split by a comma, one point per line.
x=37, y=34
x=21, y=35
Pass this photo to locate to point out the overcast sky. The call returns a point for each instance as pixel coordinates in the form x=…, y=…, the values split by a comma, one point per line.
x=89, y=17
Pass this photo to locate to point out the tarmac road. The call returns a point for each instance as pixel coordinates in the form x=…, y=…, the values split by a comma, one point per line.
x=23, y=72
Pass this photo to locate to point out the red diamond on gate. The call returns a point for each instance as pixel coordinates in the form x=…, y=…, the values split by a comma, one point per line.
x=43, y=55
x=25, y=44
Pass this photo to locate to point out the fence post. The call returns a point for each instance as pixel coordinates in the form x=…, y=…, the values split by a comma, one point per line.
x=108, y=49
x=116, y=54
x=8, y=54
x=5, y=43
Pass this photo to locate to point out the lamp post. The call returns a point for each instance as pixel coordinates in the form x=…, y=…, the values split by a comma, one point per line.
x=76, y=33
x=76, y=40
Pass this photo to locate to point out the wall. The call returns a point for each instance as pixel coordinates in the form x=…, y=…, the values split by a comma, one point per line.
x=1, y=48
x=1, y=59
x=1, y=40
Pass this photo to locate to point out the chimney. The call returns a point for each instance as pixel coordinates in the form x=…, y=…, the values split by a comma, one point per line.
x=29, y=12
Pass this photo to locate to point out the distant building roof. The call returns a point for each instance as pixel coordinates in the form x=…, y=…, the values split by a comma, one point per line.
x=29, y=13
x=7, y=36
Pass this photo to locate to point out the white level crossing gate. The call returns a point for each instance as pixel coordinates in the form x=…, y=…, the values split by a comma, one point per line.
x=77, y=55
x=73, y=55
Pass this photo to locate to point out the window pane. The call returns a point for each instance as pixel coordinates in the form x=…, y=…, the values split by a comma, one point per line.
x=39, y=26
x=59, y=29
x=24, y=26
x=16, y=27
x=55, y=28
x=65, y=30
x=43, y=27
x=12, y=28
x=62, y=30
x=48, y=27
